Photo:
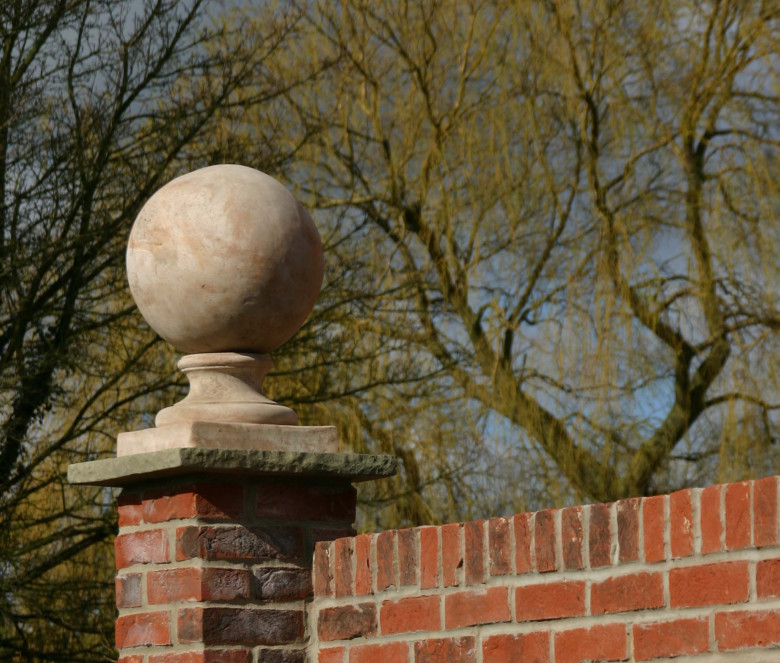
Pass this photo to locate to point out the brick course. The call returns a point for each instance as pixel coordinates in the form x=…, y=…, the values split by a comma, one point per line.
x=643, y=579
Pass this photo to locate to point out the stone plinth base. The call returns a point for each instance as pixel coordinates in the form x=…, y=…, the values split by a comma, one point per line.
x=216, y=435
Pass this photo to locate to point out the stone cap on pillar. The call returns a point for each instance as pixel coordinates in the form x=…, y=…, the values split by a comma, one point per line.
x=170, y=463
x=226, y=265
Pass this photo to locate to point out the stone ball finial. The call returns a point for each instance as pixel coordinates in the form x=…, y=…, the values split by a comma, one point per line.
x=225, y=265
x=224, y=259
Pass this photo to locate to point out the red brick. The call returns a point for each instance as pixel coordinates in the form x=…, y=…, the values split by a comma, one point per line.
x=385, y=567
x=149, y=547
x=205, y=656
x=347, y=622
x=197, y=584
x=130, y=509
x=523, y=542
x=544, y=540
x=322, y=573
x=363, y=564
x=234, y=543
x=478, y=606
x=407, y=557
x=393, y=652
x=143, y=628
x=475, y=552
x=628, y=529
x=203, y=500
x=654, y=526
x=131, y=659
x=765, y=512
x=451, y=556
x=169, y=507
x=669, y=639
x=299, y=502
x=331, y=655
x=738, y=515
x=429, y=557
x=711, y=523
x=416, y=613
x=681, y=523
x=768, y=579
x=722, y=583
x=599, y=643
x=128, y=590
x=169, y=585
x=571, y=537
x=499, y=547
x=239, y=626
x=522, y=648
x=600, y=539
x=342, y=567
x=743, y=629
x=638, y=591
x=550, y=601
x=315, y=534
x=446, y=650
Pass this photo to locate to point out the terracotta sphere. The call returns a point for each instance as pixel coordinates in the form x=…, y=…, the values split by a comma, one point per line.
x=224, y=259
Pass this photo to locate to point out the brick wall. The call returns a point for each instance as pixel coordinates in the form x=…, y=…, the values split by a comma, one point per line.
x=695, y=575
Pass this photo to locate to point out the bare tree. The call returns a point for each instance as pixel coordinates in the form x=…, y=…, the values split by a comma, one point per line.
x=569, y=215
x=100, y=103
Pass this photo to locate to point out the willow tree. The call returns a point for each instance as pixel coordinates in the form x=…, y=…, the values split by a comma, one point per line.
x=555, y=223
x=101, y=103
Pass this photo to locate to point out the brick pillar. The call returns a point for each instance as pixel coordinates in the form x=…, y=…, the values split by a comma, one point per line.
x=219, y=570
x=215, y=547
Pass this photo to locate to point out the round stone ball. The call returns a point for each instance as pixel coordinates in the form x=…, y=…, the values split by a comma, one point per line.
x=224, y=259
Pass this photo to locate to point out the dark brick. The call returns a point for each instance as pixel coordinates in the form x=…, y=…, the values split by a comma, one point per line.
x=281, y=584
x=407, y=557
x=499, y=548
x=236, y=626
x=300, y=502
x=254, y=544
x=544, y=540
x=571, y=537
x=451, y=555
x=281, y=656
x=475, y=553
x=523, y=539
x=628, y=529
x=346, y=622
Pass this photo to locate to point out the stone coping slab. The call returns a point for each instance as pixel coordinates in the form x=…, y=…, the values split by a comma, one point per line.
x=137, y=468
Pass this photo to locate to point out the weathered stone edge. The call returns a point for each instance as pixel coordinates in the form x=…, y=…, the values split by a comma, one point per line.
x=134, y=468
